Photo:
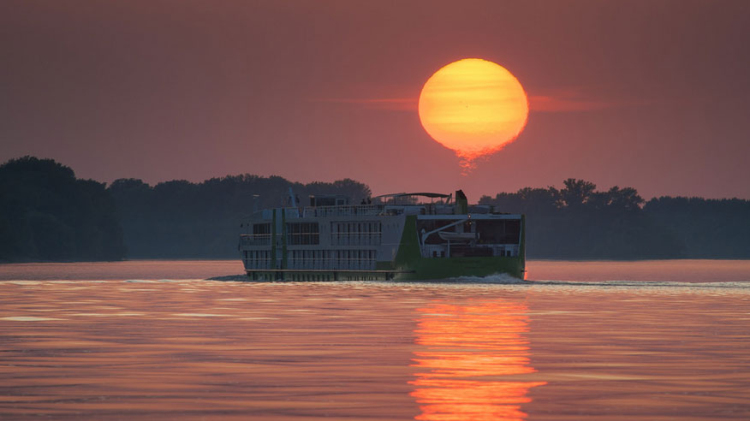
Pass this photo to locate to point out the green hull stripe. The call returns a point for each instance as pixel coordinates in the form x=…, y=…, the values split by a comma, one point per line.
x=273, y=240
x=283, y=240
x=408, y=250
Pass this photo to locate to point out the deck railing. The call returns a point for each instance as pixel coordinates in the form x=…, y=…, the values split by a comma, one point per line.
x=360, y=210
x=255, y=239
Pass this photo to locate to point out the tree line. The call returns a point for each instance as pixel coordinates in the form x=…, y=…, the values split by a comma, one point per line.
x=48, y=214
x=579, y=222
x=180, y=219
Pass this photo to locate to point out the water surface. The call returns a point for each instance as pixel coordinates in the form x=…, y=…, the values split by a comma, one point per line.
x=586, y=340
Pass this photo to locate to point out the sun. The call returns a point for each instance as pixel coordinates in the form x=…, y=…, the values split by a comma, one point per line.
x=474, y=107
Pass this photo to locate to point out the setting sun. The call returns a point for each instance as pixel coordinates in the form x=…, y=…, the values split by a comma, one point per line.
x=474, y=107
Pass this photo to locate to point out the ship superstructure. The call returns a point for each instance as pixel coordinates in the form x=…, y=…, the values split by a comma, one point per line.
x=405, y=236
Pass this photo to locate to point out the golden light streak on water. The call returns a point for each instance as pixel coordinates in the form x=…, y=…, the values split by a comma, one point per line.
x=470, y=351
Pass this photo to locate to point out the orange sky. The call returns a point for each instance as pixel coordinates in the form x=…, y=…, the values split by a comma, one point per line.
x=653, y=95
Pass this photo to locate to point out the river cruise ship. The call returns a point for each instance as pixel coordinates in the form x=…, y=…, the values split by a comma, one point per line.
x=405, y=236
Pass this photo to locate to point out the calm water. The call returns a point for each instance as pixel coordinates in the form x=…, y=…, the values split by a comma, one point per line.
x=659, y=340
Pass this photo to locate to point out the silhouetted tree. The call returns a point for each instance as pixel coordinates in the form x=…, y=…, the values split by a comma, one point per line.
x=48, y=214
x=576, y=192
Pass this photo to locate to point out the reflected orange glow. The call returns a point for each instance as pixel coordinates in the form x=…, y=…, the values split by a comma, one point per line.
x=467, y=349
x=474, y=107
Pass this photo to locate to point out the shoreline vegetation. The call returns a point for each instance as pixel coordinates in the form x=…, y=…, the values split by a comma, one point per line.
x=47, y=214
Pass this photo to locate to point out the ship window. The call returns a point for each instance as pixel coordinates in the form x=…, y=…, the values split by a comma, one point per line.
x=505, y=231
x=261, y=228
x=355, y=233
x=261, y=234
x=303, y=233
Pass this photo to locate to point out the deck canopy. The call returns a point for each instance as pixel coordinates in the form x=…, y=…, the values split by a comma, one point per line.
x=396, y=196
x=431, y=195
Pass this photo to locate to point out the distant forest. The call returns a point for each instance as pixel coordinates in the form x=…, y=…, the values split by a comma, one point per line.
x=579, y=222
x=47, y=214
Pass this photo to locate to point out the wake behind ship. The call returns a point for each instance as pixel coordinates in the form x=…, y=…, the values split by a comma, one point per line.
x=405, y=236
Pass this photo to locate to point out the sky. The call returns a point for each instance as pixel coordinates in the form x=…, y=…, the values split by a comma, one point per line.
x=652, y=94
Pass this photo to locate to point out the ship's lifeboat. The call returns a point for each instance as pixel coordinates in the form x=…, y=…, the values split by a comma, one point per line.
x=458, y=236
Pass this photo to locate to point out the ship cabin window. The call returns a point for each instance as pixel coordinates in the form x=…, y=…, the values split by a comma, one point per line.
x=503, y=231
x=261, y=234
x=329, y=200
x=258, y=259
x=356, y=233
x=260, y=229
x=302, y=233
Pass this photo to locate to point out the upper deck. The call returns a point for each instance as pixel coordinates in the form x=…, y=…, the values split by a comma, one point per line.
x=439, y=206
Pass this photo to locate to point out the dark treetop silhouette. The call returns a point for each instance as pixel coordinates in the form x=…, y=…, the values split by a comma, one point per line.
x=48, y=214
x=578, y=222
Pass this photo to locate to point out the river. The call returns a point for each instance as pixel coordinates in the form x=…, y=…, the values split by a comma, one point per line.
x=653, y=340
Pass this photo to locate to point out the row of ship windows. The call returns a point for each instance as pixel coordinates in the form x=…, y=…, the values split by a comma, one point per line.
x=257, y=255
x=302, y=233
x=355, y=227
x=336, y=255
x=355, y=233
x=308, y=233
x=332, y=259
x=316, y=259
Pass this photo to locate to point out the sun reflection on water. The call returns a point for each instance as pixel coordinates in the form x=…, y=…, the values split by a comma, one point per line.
x=467, y=351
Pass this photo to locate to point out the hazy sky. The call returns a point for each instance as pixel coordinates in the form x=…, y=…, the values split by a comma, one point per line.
x=643, y=93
